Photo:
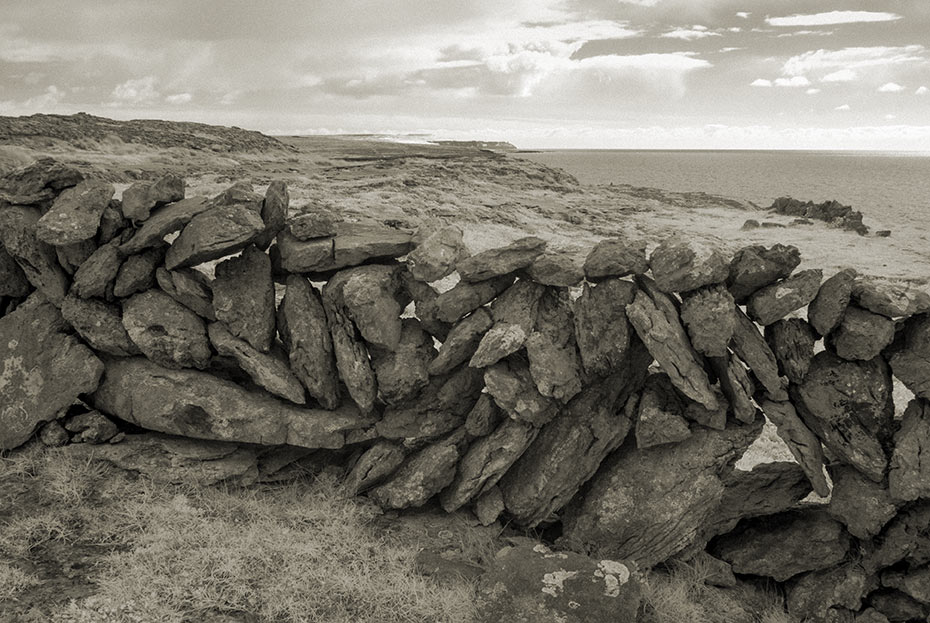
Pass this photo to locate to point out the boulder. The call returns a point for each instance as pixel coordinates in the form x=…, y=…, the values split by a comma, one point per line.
x=37, y=259
x=905, y=538
x=551, y=350
x=137, y=272
x=894, y=300
x=681, y=265
x=437, y=255
x=558, y=268
x=462, y=342
x=38, y=183
x=827, y=309
x=811, y=596
x=501, y=261
x=910, y=361
x=898, y=606
x=401, y=373
x=776, y=301
x=75, y=213
x=862, y=335
x=141, y=197
x=574, y=588
x=803, y=444
x=165, y=331
x=708, y=314
x=755, y=267
x=92, y=427
x=268, y=370
x=99, y=324
x=510, y=384
x=848, y=406
x=96, y=277
x=306, y=335
x=70, y=257
x=863, y=506
x=749, y=345
x=13, y=281
x=373, y=297
x=909, y=472
x=189, y=287
x=354, y=244
x=483, y=417
x=914, y=583
x=199, y=405
x=243, y=297
x=464, y=298
x=616, y=257
x=602, y=330
x=374, y=465
x=112, y=223
x=163, y=221
x=219, y=231
x=422, y=475
x=318, y=223
x=274, y=213
x=500, y=341
x=792, y=341
x=659, y=417
x=44, y=370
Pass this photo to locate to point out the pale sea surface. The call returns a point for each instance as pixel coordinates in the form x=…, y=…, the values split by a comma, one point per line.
x=890, y=188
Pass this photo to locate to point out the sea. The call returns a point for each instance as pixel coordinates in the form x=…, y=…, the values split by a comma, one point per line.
x=890, y=188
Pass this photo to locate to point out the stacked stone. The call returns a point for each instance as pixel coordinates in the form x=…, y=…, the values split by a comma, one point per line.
x=613, y=396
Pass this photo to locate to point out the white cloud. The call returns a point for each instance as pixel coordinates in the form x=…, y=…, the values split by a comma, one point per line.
x=842, y=107
x=136, y=91
x=853, y=58
x=743, y=14
x=921, y=91
x=731, y=49
x=690, y=34
x=734, y=29
x=890, y=87
x=812, y=91
x=797, y=33
x=890, y=117
x=794, y=81
x=832, y=17
x=179, y=98
x=843, y=75
x=761, y=82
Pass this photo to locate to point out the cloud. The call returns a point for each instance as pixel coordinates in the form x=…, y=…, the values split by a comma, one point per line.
x=760, y=82
x=743, y=14
x=832, y=17
x=853, y=58
x=136, y=91
x=731, y=49
x=890, y=87
x=812, y=91
x=179, y=98
x=794, y=81
x=798, y=33
x=690, y=34
x=842, y=107
x=921, y=91
x=843, y=75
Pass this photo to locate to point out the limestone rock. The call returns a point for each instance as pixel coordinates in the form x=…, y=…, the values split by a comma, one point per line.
x=318, y=223
x=75, y=214
x=70, y=257
x=708, y=314
x=268, y=370
x=164, y=221
x=602, y=330
x=92, y=427
x=776, y=301
x=915, y=583
x=219, y=231
x=785, y=545
x=551, y=350
x=848, y=406
x=352, y=359
x=751, y=347
x=274, y=213
x=501, y=261
x=401, y=373
x=518, y=305
x=616, y=257
x=863, y=506
x=38, y=183
x=188, y=287
x=909, y=473
x=898, y=606
x=438, y=254
x=466, y=297
x=13, y=281
x=141, y=197
x=423, y=296
x=574, y=588
x=906, y=537
x=513, y=389
x=96, y=276
x=659, y=418
x=710, y=418
x=736, y=386
x=461, y=343
x=489, y=506
x=354, y=244
x=423, y=475
x=54, y=435
x=137, y=272
x=803, y=444
x=483, y=417
x=680, y=265
x=792, y=342
x=99, y=324
x=560, y=268
x=112, y=223
x=200, y=405
x=826, y=310
x=165, y=331
x=243, y=297
x=373, y=299
x=862, y=335
x=500, y=341
x=37, y=259
x=306, y=335
x=44, y=370
x=911, y=361
x=377, y=463
x=811, y=595
x=755, y=267
x=893, y=300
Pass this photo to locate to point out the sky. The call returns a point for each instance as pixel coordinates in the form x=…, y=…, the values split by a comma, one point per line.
x=620, y=74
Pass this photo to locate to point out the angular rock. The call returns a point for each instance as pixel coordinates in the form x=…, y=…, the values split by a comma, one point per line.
x=848, y=406
x=268, y=370
x=501, y=261
x=602, y=330
x=513, y=389
x=376, y=463
x=75, y=214
x=659, y=417
x=716, y=418
x=99, y=324
x=894, y=300
x=437, y=255
x=500, y=341
x=559, y=268
x=401, y=373
x=37, y=259
x=373, y=298
x=755, y=267
x=38, y=183
x=898, y=606
x=483, y=418
x=776, y=301
x=199, y=405
x=489, y=506
x=112, y=223
x=736, y=386
x=352, y=359
x=141, y=197
x=749, y=345
x=785, y=545
x=616, y=257
x=906, y=537
x=915, y=583
x=219, y=231
x=54, y=435
x=812, y=595
x=319, y=223
x=656, y=321
x=92, y=427
x=354, y=244
x=863, y=506
x=70, y=257
x=274, y=213
x=138, y=272
x=465, y=297
x=306, y=335
x=792, y=342
x=803, y=444
x=44, y=370
x=909, y=472
x=423, y=475
x=551, y=350
x=96, y=276
x=13, y=281
x=190, y=288
x=871, y=615
x=518, y=305
x=680, y=265
x=165, y=331
x=647, y=505
x=423, y=296
x=708, y=314
x=533, y=584
x=163, y=221
x=862, y=335
x=461, y=343
x=910, y=361
x=243, y=297
x=827, y=309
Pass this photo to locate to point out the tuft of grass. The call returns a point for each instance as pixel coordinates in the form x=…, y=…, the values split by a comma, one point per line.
x=13, y=581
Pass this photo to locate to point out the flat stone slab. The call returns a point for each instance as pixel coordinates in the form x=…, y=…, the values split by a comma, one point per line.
x=217, y=232
x=680, y=265
x=354, y=244
x=501, y=261
x=163, y=221
x=165, y=331
x=38, y=183
x=37, y=259
x=776, y=301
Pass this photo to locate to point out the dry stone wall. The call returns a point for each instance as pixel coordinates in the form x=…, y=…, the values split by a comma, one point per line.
x=612, y=398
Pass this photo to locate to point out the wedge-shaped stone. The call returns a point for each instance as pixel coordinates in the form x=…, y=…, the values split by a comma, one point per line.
x=37, y=259
x=461, y=343
x=559, y=267
x=510, y=384
x=792, y=342
x=803, y=444
x=755, y=267
x=97, y=276
x=374, y=465
x=199, y=405
x=401, y=373
x=659, y=416
x=551, y=349
x=776, y=301
x=165, y=331
x=681, y=265
x=191, y=288
x=502, y=340
x=141, y=197
x=602, y=330
x=464, y=298
x=75, y=214
x=909, y=475
x=736, y=386
x=163, y=221
x=243, y=297
x=38, y=183
x=751, y=347
x=483, y=417
x=99, y=324
x=423, y=475
x=910, y=360
x=221, y=230
x=354, y=244
x=864, y=507
x=862, y=335
x=616, y=257
x=70, y=257
x=274, y=213
x=13, y=281
x=374, y=299
x=827, y=309
x=501, y=261
x=437, y=254
x=352, y=359
x=112, y=223
x=137, y=272
x=914, y=583
x=423, y=296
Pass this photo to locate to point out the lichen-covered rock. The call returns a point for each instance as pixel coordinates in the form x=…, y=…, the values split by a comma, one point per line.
x=792, y=342
x=750, y=346
x=736, y=386
x=70, y=257
x=848, y=406
x=317, y=223
x=13, y=281
x=910, y=362
x=274, y=213
x=862, y=335
x=500, y=341
x=776, y=301
x=464, y=298
x=483, y=417
x=372, y=296
x=913, y=583
x=199, y=405
x=894, y=300
x=401, y=373
x=44, y=370
x=243, y=297
x=559, y=268
x=863, y=506
x=422, y=475
x=137, y=272
x=531, y=584
x=659, y=417
x=141, y=197
x=512, y=387
x=374, y=465
x=785, y=545
x=909, y=473
x=501, y=261
x=551, y=349
x=164, y=221
x=708, y=314
x=828, y=307
x=219, y=231
x=437, y=255
x=354, y=244
x=165, y=331
x=602, y=330
x=681, y=265
x=489, y=506
x=99, y=324
x=462, y=342
x=92, y=427
x=36, y=258
x=755, y=267
x=803, y=444
x=38, y=183
x=75, y=214
x=190, y=288
x=616, y=257
x=97, y=275
x=811, y=596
